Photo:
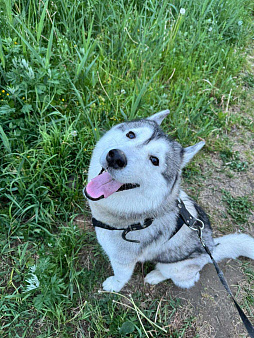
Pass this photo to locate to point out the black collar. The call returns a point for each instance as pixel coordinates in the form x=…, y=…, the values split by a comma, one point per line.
x=184, y=217
x=132, y=227
x=187, y=218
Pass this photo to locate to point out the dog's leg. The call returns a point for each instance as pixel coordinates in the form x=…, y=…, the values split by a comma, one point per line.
x=184, y=273
x=186, y=278
x=155, y=277
x=122, y=274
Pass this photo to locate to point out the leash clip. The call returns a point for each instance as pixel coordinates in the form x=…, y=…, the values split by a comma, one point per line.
x=197, y=227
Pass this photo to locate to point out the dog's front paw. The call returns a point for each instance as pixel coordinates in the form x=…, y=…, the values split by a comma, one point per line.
x=112, y=284
x=154, y=277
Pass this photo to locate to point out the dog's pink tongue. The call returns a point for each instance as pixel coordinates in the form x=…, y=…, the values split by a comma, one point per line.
x=102, y=185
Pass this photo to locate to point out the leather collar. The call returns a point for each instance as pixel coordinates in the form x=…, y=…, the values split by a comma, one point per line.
x=132, y=227
x=184, y=217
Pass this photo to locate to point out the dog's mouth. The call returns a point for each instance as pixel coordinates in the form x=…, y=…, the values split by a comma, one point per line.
x=104, y=185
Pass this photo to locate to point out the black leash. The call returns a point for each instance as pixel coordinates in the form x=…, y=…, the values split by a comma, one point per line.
x=244, y=318
x=197, y=225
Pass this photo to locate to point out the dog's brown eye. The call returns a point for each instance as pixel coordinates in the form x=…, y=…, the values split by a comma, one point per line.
x=155, y=161
x=130, y=135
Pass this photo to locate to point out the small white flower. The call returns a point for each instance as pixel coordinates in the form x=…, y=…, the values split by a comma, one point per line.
x=123, y=91
x=210, y=29
x=240, y=23
x=74, y=133
x=182, y=11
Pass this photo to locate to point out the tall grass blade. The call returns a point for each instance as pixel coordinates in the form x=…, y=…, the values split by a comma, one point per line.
x=2, y=58
x=49, y=49
x=26, y=30
x=83, y=107
x=89, y=48
x=81, y=65
x=32, y=50
x=136, y=102
x=13, y=201
x=41, y=22
x=5, y=140
x=86, y=41
x=8, y=6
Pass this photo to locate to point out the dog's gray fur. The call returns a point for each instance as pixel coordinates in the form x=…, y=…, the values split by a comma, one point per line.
x=180, y=258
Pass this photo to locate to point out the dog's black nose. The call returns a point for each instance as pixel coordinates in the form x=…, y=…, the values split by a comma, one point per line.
x=116, y=159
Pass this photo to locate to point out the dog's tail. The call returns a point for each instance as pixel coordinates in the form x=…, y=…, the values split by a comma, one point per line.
x=233, y=246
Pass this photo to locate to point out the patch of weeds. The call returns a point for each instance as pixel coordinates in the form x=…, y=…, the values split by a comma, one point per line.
x=193, y=176
x=249, y=287
x=249, y=80
x=237, y=207
x=232, y=160
x=246, y=122
x=191, y=172
x=138, y=315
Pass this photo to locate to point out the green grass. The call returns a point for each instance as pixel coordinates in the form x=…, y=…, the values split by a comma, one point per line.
x=248, y=287
x=239, y=208
x=231, y=159
x=68, y=71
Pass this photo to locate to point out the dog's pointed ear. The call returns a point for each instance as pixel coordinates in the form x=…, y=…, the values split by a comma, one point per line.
x=189, y=152
x=159, y=117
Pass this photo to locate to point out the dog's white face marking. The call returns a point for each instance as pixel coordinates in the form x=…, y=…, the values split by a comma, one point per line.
x=152, y=160
x=137, y=162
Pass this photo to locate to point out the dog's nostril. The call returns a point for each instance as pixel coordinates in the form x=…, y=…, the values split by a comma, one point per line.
x=116, y=159
x=111, y=153
x=120, y=163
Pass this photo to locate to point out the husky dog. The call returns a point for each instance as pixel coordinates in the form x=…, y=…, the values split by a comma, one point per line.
x=134, y=184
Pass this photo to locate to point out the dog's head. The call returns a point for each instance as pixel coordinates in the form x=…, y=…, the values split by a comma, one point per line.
x=138, y=162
